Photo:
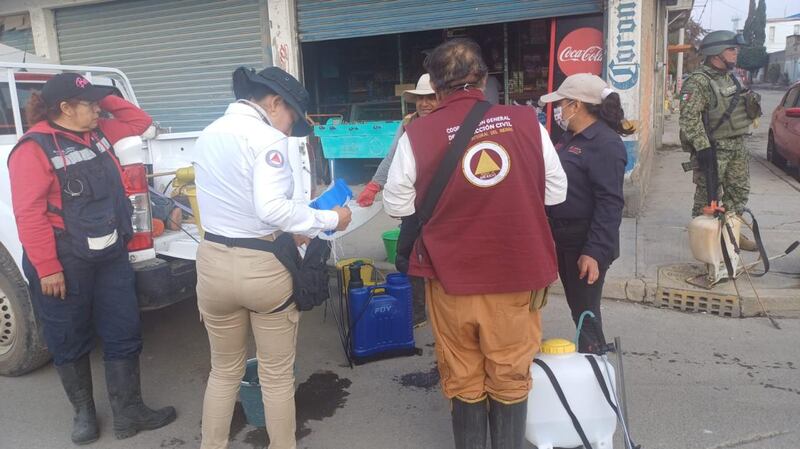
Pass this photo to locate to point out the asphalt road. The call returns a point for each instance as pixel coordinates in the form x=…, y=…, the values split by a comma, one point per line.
x=693, y=381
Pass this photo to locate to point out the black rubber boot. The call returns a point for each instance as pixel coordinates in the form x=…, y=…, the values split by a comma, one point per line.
x=469, y=424
x=125, y=393
x=507, y=424
x=77, y=381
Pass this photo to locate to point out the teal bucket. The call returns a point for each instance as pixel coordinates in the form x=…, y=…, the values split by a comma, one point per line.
x=250, y=395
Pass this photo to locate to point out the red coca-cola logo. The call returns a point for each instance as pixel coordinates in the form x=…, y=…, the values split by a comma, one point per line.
x=581, y=51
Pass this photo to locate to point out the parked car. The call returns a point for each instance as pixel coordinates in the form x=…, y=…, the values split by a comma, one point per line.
x=783, y=144
x=164, y=265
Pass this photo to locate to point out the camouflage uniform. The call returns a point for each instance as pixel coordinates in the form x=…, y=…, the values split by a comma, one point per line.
x=733, y=159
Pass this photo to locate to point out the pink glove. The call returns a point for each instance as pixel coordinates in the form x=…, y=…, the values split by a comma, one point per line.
x=367, y=196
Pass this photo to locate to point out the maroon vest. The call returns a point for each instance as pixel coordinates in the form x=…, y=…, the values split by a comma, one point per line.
x=489, y=232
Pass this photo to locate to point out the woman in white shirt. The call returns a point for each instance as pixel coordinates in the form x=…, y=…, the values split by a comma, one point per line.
x=244, y=190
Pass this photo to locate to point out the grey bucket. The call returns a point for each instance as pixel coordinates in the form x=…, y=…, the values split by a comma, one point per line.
x=250, y=395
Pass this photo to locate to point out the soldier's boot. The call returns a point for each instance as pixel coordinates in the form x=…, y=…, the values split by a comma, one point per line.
x=507, y=424
x=469, y=424
x=77, y=381
x=745, y=244
x=125, y=394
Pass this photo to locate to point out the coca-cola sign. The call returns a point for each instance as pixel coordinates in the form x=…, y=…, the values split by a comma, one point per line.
x=581, y=51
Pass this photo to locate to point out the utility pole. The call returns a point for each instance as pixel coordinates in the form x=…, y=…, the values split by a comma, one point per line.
x=735, y=22
x=679, y=68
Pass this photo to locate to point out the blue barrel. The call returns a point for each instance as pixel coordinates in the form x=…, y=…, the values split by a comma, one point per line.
x=380, y=317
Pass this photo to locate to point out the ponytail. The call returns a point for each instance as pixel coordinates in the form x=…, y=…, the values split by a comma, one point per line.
x=37, y=110
x=610, y=111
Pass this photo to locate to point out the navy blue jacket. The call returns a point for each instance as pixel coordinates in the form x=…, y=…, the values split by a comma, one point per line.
x=594, y=161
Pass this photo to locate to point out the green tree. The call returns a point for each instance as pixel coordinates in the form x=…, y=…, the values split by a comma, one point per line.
x=753, y=56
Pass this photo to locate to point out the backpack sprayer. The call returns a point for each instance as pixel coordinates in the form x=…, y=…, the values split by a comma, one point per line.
x=714, y=240
x=585, y=387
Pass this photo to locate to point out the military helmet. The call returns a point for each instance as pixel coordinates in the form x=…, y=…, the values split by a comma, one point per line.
x=716, y=42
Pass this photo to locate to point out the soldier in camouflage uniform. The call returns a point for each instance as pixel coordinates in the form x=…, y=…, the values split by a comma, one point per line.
x=714, y=103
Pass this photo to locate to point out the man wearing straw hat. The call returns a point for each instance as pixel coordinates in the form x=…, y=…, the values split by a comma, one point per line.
x=425, y=100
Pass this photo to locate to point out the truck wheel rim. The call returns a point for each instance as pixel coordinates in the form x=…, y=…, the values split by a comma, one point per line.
x=7, y=323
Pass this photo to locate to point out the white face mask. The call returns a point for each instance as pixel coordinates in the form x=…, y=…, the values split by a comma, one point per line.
x=563, y=123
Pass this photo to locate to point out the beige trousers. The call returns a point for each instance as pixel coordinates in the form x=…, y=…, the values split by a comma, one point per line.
x=236, y=290
x=484, y=343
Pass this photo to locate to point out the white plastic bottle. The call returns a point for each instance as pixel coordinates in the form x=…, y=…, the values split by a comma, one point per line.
x=548, y=424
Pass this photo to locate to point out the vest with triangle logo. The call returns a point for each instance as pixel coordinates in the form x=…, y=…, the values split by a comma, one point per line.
x=489, y=232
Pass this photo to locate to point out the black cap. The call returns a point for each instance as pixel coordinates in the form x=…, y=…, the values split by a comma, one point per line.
x=72, y=86
x=289, y=89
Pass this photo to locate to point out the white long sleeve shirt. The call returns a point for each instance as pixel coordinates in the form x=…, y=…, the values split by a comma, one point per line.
x=244, y=179
x=399, y=193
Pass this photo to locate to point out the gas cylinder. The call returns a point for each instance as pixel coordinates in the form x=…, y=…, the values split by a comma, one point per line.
x=548, y=424
x=381, y=320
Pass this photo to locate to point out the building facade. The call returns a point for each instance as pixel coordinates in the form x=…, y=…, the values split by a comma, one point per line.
x=778, y=30
x=179, y=54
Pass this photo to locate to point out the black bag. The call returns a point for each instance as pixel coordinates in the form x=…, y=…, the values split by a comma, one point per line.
x=411, y=226
x=310, y=275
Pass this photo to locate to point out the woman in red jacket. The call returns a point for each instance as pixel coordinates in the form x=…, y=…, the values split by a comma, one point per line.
x=74, y=221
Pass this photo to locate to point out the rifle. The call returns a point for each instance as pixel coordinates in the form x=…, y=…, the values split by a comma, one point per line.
x=712, y=174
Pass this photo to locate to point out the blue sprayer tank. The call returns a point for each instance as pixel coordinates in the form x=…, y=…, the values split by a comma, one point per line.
x=380, y=317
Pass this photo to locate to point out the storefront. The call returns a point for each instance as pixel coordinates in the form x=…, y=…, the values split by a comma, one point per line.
x=355, y=73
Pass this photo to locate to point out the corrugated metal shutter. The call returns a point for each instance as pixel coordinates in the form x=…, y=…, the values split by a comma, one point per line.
x=179, y=54
x=320, y=20
x=19, y=39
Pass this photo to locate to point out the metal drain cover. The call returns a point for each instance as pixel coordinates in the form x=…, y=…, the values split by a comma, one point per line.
x=674, y=292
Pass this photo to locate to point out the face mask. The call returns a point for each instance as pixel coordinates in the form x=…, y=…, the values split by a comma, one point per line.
x=563, y=123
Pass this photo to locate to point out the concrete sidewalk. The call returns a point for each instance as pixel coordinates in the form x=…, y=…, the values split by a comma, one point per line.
x=658, y=237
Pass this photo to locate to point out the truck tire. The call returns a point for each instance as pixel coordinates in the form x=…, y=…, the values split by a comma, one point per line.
x=22, y=347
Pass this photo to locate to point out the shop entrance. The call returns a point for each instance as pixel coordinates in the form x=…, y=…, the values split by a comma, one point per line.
x=361, y=80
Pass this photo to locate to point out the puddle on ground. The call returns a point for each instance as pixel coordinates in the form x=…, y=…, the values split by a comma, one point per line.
x=426, y=380
x=317, y=398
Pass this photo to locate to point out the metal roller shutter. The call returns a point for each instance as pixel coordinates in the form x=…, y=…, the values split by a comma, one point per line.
x=19, y=39
x=320, y=20
x=179, y=54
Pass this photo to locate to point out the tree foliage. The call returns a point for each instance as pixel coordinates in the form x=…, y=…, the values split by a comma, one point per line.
x=774, y=72
x=753, y=56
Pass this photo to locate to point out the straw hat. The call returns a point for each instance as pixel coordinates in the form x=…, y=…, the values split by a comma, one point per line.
x=423, y=88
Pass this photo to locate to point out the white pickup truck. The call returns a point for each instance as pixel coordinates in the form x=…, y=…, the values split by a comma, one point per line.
x=164, y=265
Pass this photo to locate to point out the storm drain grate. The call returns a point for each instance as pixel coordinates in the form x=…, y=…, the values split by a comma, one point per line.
x=698, y=301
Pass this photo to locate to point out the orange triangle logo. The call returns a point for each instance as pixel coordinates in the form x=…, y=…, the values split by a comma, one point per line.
x=486, y=165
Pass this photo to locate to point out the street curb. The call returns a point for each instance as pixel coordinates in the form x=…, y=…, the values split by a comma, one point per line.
x=782, y=303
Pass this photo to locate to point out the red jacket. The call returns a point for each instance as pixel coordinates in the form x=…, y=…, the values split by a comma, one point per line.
x=34, y=184
x=489, y=232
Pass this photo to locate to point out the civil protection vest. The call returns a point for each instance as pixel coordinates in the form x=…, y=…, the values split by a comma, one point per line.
x=489, y=231
x=95, y=209
x=736, y=122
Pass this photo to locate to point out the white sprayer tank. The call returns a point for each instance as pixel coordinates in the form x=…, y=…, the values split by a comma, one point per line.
x=548, y=423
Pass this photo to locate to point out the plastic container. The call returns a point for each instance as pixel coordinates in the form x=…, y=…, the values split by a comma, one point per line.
x=704, y=238
x=548, y=424
x=337, y=195
x=390, y=243
x=357, y=140
x=250, y=395
x=381, y=319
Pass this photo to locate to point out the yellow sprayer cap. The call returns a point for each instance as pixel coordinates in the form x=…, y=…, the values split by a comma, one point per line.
x=557, y=346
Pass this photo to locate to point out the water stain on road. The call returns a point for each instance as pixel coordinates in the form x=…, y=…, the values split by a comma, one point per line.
x=426, y=380
x=319, y=397
x=172, y=443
